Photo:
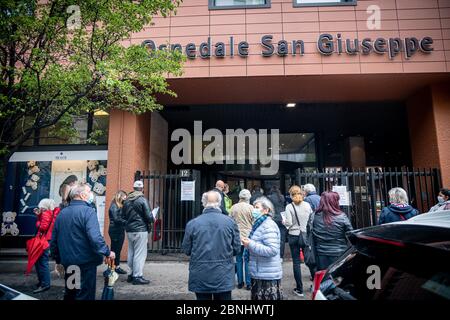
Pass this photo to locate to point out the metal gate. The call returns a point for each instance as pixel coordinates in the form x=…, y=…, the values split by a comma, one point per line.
x=367, y=189
x=163, y=191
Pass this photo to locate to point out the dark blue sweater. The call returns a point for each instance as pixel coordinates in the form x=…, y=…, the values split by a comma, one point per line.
x=394, y=214
x=76, y=236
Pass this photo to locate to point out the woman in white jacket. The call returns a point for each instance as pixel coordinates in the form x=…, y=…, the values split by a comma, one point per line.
x=297, y=215
x=262, y=249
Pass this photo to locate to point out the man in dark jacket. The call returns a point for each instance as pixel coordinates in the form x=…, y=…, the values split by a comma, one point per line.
x=256, y=193
x=211, y=240
x=220, y=186
x=78, y=245
x=136, y=211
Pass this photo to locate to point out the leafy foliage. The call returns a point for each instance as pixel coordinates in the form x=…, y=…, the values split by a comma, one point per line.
x=64, y=58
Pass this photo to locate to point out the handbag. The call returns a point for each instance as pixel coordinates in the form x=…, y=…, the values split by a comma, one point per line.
x=301, y=236
x=309, y=251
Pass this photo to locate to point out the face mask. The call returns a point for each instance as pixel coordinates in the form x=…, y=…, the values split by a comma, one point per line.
x=440, y=199
x=256, y=213
x=91, y=198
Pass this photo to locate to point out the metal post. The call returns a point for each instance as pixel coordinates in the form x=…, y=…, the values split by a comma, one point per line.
x=373, y=199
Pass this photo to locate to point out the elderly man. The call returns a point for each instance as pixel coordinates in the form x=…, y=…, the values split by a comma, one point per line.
x=241, y=213
x=311, y=196
x=220, y=187
x=211, y=240
x=77, y=241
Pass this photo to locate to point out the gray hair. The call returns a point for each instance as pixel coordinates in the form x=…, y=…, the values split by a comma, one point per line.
x=266, y=204
x=245, y=195
x=78, y=189
x=309, y=188
x=47, y=204
x=208, y=204
x=398, y=196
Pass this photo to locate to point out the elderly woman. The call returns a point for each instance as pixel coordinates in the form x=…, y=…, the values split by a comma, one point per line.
x=46, y=215
x=263, y=252
x=399, y=209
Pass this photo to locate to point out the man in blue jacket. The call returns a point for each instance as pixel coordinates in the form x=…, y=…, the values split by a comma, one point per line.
x=212, y=240
x=78, y=245
x=311, y=196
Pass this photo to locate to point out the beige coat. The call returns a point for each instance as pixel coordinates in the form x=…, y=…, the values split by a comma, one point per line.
x=242, y=214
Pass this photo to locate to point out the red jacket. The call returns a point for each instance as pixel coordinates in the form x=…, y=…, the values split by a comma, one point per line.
x=45, y=223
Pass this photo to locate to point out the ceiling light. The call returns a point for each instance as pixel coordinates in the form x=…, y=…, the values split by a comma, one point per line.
x=101, y=113
x=291, y=105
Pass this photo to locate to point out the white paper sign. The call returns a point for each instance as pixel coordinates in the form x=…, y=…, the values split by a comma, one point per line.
x=344, y=198
x=187, y=190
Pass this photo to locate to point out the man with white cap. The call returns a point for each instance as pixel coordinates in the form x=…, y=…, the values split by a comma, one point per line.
x=136, y=211
x=241, y=212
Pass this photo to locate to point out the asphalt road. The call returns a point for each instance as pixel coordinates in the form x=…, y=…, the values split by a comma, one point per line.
x=168, y=282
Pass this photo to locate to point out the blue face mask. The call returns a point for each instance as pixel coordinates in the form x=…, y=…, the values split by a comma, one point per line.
x=256, y=213
x=91, y=198
x=440, y=199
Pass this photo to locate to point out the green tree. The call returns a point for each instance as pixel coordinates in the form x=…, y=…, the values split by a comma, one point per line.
x=60, y=58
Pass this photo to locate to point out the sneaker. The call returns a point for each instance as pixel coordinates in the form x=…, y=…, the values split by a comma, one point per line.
x=248, y=288
x=140, y=280
x=119, y=270
x=41, y=289
x=298, y=292
x=130, y=278
x=240, y=285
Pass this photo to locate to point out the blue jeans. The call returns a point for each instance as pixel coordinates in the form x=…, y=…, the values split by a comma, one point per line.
x=43, y=269
x=240, y=266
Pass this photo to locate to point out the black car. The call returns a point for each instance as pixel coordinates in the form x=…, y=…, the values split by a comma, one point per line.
x=408, y=260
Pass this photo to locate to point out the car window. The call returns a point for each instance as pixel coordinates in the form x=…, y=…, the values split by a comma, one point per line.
x=357, y=276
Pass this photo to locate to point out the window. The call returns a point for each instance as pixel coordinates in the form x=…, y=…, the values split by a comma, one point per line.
x=310, y=3
x=238, y=4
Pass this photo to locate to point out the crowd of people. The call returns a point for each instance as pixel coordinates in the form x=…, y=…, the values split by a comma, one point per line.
x=244, y=241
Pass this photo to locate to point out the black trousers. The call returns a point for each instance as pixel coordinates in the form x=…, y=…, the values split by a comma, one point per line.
x=87, y=285
x=214, y=296
x=283, y=238
x=325, y=261
x=117, y=239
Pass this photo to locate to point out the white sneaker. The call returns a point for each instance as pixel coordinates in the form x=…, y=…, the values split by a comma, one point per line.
x=298, y=293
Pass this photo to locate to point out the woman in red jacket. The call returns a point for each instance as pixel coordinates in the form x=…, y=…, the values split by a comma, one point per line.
x=46, y=214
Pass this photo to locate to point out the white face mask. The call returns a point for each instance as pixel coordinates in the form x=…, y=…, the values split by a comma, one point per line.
x=440, y=199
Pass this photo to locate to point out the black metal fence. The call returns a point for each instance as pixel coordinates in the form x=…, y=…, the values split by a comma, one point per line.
x=366, y=192
x=367, y=189
x=163, y=190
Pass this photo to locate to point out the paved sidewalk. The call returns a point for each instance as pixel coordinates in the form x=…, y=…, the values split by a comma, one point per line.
x=168, y=282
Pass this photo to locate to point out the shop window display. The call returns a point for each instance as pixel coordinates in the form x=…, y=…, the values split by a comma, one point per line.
x=29, y=182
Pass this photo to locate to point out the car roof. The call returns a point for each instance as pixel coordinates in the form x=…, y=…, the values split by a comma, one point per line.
x=429, y=229
x=439, y=219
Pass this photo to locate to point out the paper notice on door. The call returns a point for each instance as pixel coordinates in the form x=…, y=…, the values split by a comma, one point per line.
x=188, y=190
x=344, y=197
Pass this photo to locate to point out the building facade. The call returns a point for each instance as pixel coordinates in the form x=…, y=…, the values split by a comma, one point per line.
x=348, y=84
